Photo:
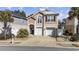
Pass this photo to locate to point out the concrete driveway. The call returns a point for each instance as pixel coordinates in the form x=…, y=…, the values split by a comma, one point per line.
x=40, y=41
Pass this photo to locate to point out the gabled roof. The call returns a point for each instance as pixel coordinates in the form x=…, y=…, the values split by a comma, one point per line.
x=46, y=12
x=18, y=17
x=49, y=12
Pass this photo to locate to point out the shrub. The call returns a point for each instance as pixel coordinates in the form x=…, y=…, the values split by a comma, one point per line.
x=22, y=33
x=66, y=32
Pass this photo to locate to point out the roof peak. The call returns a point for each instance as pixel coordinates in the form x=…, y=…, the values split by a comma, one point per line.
x=43, y=9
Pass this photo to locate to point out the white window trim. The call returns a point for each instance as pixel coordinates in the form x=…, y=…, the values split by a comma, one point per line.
x=39, y=20
x=51, y=18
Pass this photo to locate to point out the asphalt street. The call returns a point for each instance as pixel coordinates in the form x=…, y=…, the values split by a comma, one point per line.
x=27, y=48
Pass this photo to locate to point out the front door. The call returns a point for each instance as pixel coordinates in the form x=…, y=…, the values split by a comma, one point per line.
x=31, y=29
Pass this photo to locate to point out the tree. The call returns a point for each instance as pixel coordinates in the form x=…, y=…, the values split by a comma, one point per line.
x=74, y=12
x=19, y=13
x=60, y=24
x=5, y=16
x=23, y=14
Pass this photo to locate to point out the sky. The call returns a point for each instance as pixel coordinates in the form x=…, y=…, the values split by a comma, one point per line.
x=63, y=11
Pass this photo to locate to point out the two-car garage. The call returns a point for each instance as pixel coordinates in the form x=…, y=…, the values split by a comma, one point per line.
x=51, y=32
x=47, y=31
x=38, y=31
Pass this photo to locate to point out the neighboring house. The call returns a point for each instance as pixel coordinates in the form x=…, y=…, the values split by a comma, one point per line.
x=16, y=25
x=72, y=25
x=61, y=28
x=43, y=23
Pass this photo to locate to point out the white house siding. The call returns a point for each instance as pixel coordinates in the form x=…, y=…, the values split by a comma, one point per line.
x=38, y=31
x=1, y=26
x=16, y=27
x=38, y=26
x=19, y=21
x=49, y=32
x=18, y=24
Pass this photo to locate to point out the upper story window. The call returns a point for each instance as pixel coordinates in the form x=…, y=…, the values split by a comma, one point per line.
x=50, y=18
x=39, y=19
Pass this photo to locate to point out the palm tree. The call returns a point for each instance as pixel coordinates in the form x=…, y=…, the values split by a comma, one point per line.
x=5, y=16
x=74, y=12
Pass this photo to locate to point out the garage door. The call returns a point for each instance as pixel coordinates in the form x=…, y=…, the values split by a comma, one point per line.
x=49, y=32
x=39, y=31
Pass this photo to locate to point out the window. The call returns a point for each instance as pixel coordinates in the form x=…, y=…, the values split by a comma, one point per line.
x=50, y=18
x=39, y=19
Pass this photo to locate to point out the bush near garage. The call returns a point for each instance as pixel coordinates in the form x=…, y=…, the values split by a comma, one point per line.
x=22, y=33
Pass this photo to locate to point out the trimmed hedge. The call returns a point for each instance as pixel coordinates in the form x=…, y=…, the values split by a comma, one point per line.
x=22, y=33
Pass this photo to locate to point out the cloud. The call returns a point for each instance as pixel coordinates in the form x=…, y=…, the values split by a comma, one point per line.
x=67, y=15
x=60, y=15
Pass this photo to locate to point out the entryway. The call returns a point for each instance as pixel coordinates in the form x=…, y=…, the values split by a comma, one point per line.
x=32, y=29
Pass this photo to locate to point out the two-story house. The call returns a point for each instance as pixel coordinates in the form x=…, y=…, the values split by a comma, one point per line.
x=72, y=25
x=43, y=23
